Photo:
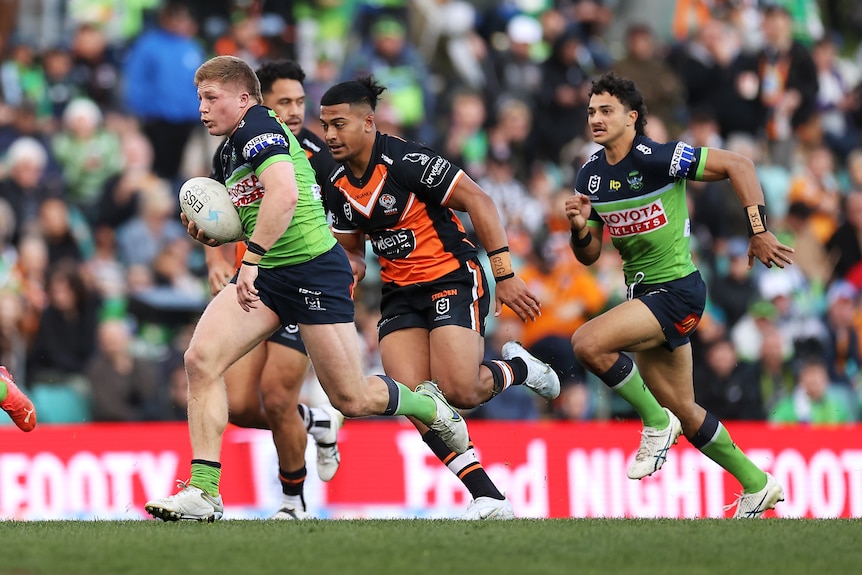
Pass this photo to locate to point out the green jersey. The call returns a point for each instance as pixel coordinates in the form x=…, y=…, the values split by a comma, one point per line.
x=642, y=202
x=261, y=140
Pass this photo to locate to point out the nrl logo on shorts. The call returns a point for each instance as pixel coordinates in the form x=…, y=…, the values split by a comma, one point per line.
x=348, y=212
x=594, y=183
x=442, y=306
x=387, y=201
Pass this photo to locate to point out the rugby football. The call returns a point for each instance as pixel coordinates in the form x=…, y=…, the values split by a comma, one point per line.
x=207, y=203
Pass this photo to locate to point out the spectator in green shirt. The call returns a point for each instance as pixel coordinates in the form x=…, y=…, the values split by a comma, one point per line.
x=815, y=399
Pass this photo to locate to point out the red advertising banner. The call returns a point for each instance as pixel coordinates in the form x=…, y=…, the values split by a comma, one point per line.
x=547, y=469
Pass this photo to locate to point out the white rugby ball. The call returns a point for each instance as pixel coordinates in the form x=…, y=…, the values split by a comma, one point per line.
x=207, y=203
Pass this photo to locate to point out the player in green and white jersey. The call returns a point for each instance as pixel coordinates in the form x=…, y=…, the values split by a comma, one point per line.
x=293, y=272
x=635, y=189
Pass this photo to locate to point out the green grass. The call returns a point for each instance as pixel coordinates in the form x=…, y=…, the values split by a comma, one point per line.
x=439, y=547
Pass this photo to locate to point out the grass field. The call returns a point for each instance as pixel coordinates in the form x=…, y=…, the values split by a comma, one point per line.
x=439, y=547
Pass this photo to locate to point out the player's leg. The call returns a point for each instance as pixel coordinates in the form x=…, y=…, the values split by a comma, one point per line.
x=669, y=375
x=242, y=381
x=15, y=402
x=335, y=354
x=407, y=356
x=280, y=385
x=224, y=333
x=598, y=345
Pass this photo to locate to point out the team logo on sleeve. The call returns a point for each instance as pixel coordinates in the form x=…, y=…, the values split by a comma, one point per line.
x=593, y=184
x=435, y=171
x=416, y=158
x=259, y=143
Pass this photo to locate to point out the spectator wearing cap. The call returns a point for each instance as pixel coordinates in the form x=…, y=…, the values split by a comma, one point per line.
x=518, y=71
x=842, y=353
x=396, y=64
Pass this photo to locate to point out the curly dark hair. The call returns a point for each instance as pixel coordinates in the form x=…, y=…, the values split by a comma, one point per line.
x=270, y=72
x=626, y=92
x=362, y=90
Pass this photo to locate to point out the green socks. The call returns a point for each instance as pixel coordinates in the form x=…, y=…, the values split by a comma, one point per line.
x=419, y=406
x=724, y=451
x=206, y=475
x=638, y=395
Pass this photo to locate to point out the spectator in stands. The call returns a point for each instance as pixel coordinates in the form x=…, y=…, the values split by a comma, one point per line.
x=781, y=81
x=65, y=233
x=842, y=353
x=733, y=289
x=88, y=155
x=815, y=400
x=23, y=186
x=393, y=60
x=465, y=138
x=158, y=76
x=124, y=387
x=836, y=79
x=517, y=69
x=561, y=111
x=706, y=65
x=727, y=387
x=66, y=337
x=645, y=65
x=845, y=245
x=775, y=366
x=814, y=183
x=95, y=72
x=155, y=226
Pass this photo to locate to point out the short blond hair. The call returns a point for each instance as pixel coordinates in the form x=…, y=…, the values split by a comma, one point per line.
x=230, y=70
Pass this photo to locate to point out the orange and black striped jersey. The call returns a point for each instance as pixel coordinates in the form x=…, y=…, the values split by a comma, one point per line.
x=400, y=203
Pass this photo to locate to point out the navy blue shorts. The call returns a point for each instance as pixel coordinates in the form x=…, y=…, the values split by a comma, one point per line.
x=289, y=336
x=314, y=292
x=678, y=306
x=458, y=298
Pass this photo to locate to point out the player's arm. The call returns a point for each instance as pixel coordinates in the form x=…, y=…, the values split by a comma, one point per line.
x=723, y=164
x=586, y=245
x=511, y=290
x=220, y=268
x=354, y=245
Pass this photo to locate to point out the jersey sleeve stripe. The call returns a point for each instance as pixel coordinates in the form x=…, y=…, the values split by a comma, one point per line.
x=452, y=186
x=701, y=164
x=270, y=161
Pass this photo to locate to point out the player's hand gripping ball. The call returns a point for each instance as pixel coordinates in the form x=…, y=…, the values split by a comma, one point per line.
x=206, y=202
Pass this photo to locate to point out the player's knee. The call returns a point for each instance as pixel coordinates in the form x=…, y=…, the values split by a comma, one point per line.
x=463, y=396
x=586, y=350
x=278, y=404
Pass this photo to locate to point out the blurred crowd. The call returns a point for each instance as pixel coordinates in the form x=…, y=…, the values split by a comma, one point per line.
x=100, y=285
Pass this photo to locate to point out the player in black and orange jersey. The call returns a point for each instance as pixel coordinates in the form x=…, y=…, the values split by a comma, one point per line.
x=435, y=297
x=264, y=386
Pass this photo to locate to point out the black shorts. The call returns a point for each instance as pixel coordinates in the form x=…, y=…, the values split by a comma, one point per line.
x=460, y=298
x=318, y=291
x=677, y=305
x=288, y=336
